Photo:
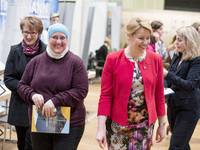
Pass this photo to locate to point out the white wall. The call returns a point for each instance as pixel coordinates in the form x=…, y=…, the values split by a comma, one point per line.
x=99, y=26
x=115, y=26
x=80, y=25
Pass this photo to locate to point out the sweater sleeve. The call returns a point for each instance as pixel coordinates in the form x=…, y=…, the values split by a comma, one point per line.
x=78, y=90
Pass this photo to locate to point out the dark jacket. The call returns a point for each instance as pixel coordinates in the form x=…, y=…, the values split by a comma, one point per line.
x=14, y=69
x=185, y=81
x=101, y=55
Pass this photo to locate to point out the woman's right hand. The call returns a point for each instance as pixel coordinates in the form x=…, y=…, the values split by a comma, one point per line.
x=38, y=100
x=101, y=138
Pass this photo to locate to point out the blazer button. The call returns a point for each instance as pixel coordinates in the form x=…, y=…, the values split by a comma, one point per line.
x=144, y=67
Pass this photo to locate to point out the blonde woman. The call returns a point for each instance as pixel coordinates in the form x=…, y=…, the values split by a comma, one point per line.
x=184, y=78
x=132, y=95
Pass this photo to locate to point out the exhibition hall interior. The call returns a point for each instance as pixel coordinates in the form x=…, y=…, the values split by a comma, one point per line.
x=91, y=24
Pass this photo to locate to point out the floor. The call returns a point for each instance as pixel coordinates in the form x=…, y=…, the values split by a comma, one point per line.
x=88, y=141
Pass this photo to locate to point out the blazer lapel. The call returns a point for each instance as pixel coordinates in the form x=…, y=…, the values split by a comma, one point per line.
x=173, y=61
x=180, y=66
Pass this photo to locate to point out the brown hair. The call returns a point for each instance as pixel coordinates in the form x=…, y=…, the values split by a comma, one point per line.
x=196, y=25
x=156, y=25
x=137, y=23
x=33, y=23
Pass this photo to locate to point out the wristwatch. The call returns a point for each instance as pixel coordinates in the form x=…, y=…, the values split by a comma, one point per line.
x=162, y=124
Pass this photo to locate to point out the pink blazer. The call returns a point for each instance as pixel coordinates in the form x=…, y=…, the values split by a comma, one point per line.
x=117, y=81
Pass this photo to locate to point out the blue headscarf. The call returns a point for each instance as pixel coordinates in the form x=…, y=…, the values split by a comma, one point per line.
x=58, y=27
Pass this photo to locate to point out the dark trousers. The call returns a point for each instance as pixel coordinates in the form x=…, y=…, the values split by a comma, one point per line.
x=182, y=123
x=46, y=141
x=23, y=138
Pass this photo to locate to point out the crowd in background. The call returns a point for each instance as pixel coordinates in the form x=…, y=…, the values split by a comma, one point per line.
x=132, y=82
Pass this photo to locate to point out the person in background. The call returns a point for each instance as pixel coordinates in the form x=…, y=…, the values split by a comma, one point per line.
x=153, y=40
x=132, y=95
x=157, y=45
x=170, y=50
x=196, y=25
x=101, y=55
x=56, y=78
x=54, y=18
x=183, y=77
x=17, y=60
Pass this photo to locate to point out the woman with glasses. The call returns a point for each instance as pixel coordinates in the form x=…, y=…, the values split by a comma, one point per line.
x=56, y=78
x=17, y=60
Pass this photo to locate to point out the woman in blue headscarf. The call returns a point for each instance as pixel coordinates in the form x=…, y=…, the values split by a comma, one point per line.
x=56, y=78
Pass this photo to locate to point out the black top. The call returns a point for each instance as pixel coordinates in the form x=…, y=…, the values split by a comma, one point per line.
x=101, y=55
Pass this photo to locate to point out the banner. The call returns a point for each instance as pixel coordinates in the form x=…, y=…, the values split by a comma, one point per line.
x=43, y=8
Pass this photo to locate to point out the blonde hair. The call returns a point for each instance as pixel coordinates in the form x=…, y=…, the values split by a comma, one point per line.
x=137, y=23
x=192, y=42
x=33, y=23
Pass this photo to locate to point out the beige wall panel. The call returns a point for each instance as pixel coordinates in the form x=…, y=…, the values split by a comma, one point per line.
x=159, y=4
x=128, y=4
x=143, y=4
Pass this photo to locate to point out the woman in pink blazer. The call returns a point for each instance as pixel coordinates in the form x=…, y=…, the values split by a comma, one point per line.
x=132, y=93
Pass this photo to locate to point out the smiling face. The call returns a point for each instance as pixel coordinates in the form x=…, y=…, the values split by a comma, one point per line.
x=29, y=36
x=58, y=42
x=139, y=41
x=180, y=42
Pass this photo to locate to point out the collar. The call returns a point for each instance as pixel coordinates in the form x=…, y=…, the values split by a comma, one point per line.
x=129, y=57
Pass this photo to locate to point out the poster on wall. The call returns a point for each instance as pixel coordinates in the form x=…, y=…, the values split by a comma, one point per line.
x=43, y=8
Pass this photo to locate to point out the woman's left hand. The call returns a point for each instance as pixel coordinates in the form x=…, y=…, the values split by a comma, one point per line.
x=48, y=109
x=165, y=72
x=160, y=134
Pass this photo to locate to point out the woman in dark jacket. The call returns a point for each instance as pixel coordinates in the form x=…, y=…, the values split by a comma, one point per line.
x=17, y=60
x=184, y=78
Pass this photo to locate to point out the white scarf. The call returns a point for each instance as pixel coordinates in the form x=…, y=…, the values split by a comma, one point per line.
x=54, y=55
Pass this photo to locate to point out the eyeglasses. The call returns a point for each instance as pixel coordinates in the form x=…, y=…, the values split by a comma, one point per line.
x=55, y=38
x=26, y=33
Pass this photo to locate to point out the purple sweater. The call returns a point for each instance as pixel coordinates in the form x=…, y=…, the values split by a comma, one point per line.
x=64, y=81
